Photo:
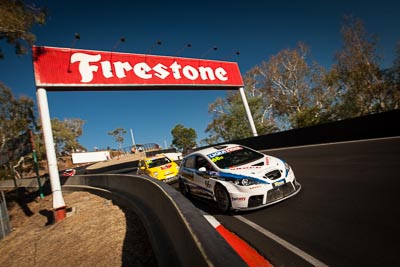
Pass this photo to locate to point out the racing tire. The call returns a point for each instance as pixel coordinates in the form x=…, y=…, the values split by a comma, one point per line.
x=183, y=188
x=222, y=197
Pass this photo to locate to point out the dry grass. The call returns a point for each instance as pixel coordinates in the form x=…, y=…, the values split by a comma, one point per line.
x=96, y=233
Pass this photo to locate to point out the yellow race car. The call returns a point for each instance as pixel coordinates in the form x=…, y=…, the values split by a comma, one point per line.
x=159, y=167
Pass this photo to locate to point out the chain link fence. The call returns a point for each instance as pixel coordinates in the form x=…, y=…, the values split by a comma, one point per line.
x=4, y=218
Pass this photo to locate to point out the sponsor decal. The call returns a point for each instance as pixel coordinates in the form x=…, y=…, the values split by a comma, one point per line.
x=245, y=168
x=223, y=151
x=166, y=166
x=65, y=67
x=225, y=175
x=255, y=187
x=279, y=183
x=238, y=198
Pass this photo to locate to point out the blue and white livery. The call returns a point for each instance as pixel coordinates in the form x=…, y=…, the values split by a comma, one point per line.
x=236, y=177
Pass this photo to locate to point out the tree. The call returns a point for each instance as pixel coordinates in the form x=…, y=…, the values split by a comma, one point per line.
x=294, y=89
x=183, y=138
x=16, y=115
x=357, y=74
x=230, y=120
x=391, y=77
x=118, y=135
x=65, y=135
x=16, y=20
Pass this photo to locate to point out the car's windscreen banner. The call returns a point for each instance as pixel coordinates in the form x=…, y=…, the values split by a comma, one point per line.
x=76, y=69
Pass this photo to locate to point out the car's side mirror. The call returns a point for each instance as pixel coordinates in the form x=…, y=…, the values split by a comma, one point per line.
x=202, y=169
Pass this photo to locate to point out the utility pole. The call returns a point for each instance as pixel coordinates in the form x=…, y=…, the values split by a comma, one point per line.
x=133, y=140
x=35, y=161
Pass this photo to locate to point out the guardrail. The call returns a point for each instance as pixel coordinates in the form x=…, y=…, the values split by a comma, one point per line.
x=178, y=232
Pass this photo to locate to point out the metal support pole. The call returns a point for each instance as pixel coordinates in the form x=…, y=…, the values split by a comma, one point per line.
x=133, y=140
x=35, y=161
x=249, y=116
x=58, y=200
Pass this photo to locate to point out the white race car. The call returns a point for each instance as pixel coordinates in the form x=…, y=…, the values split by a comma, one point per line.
x=236, y=177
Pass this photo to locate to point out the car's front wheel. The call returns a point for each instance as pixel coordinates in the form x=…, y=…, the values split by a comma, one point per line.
x=222, y=197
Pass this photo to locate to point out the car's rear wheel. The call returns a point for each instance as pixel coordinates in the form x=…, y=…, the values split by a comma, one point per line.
x=222, y=197
x=183, y=188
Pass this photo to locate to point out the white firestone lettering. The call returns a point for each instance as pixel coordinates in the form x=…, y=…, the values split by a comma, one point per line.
x=161, y=71
x=141, y=70
x=175, y=67
x=190, y=72
x=121, y=68
x=220, y=73
x=206, y=73
x=85, y=69
x=106, y=68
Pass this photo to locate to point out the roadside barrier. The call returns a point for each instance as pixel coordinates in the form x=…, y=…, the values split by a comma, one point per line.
x=180, y=235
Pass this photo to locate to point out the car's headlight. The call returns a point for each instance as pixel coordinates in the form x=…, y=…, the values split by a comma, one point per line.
x=245, y=181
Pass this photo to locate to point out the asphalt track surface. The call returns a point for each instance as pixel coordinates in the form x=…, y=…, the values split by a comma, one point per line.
x=345, y=215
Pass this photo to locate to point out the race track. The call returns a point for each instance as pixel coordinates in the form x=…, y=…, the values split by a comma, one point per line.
x=345, y=215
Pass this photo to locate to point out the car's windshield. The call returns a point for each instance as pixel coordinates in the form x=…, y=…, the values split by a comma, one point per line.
x=158, y=162
x=234, y=156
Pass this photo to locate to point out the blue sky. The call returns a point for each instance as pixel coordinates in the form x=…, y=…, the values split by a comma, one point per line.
x=257, y=29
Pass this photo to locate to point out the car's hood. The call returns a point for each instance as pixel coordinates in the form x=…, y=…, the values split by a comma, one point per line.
x=165, y=169
x=257, y=170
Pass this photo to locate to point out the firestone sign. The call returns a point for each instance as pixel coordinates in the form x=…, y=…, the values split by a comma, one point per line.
x=70, y=69
x=67, y=69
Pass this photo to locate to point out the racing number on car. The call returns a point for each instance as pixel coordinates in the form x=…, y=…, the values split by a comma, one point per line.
x=217, y=158
x=208, y=184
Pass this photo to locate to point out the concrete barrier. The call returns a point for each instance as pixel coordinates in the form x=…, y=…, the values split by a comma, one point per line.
x=180, y=235
x=378, y=125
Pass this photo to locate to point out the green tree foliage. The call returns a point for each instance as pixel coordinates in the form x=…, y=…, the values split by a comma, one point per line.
x=283, y=93
x=118, y=134
x=16, y=117
x=357, y=75
x=16, y=114
x=16, y=20
x=230, y=120
x=294, y=89
x=291, y=91
x=183, y=138
x=392, y=82
x=66, y=134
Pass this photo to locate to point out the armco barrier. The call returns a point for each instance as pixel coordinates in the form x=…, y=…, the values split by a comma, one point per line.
x=178, y=232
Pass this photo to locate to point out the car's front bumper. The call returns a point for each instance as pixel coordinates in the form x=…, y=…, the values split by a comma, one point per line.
x=170, y=180
x=262, y=198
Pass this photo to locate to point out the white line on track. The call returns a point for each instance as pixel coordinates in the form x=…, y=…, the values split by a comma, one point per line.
x=307, y=257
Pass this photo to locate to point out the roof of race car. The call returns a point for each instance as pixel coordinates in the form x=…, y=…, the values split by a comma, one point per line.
x=157, y=156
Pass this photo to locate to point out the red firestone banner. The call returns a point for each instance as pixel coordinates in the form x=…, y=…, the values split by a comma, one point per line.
x=77, y=69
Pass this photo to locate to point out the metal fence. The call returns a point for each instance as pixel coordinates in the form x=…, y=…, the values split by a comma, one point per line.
x=4, y=218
